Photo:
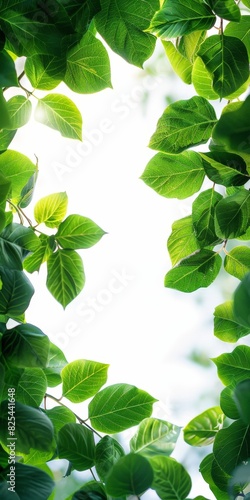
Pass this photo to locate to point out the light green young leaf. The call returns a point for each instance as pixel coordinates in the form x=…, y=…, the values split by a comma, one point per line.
x=123, y=26
x=235, y=366
x=227, y=402
x=108, y=452
x=237, y=262
x=31, y=387
x=242, y=399
x=184, y=124
x=227, y=9
x=88, y=66
x=225, y=56
x=119, y=407
x=225, y=168
x=240, y=30
x=34, y=261
x=179, y=17
x=51, y=209
x=182, y=241
x=82, y=379
x=226, y=327
x=154, y=437
x=236, y=437
x=16, y=292
x=60, y=113
x=232, y=131
x=175, y=176
x=196, y=271
x=232, y=215
x=180, y=64
x=17, y=168
x=76, y=444
x=55, y=364
x=202, y=80
x=201, y=430
x=241, y=302
x=131, y=475
x=19, y=109
x=171, y=480
x=25, y=346
x=77, y=232
x=203, y=211
x=45, y=72
x=66, y=277
x=188, y=45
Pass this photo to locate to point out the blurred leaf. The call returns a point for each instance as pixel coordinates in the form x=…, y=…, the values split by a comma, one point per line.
x=227, y=403
x=8, y=76
x=242, y=301
x=131, y=475
x=242, y=399
x=226, y=327
x=155, y=437
x=232, y=131
x=235, y=366
x=201, y=430
x=30, y=483
x=93, y=490
x=236, y=437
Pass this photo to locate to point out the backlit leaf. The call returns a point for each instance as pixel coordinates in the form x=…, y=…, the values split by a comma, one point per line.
x=202, y=80
x=66, y=277
x=154, y=437
x=17, y=168
x=31, y=387
x=203, y=212
x=60, y=113
x=45, y=72
x=235, y=366
x=180, y=64
x=82, y=379
x=226, y=327
x=182, y=241
x=25, y=346
x=237, y=261
x=19, y=109
x=232, y=215
x=77, y=232
x=201, y=430
x=55, y=364
x=60, y=416
x=51, y=209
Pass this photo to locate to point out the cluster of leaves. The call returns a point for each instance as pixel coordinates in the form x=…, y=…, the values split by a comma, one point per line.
x=60, y=41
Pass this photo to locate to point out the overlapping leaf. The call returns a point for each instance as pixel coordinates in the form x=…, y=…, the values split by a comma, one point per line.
x=233, y=129
x=240, y=30
x=182, y=240
x=45, y=72
x=232, y=215
x=227, y=9
x=76, y=444
x=201, y=430
x=171, y=480
x=131, y=475
x=17, y=168
x=203, y=213
x=235, y=437
x=241, y=302
x=235, y=366
x=226, y=327
x=108, y=452
x=225, y=168
x=155, y=437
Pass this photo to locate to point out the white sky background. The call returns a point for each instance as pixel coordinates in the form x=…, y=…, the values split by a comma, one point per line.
x=144, y=330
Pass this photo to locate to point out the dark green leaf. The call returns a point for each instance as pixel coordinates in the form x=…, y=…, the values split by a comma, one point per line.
x=27, y=191
x=77, y=232
x=240, y=30
x=180, y=64
x=119, y=407
x=206, y=471
x=6, y=137
x=123, y=24
x=196, y=271
x=56, y=362
x=88, y=67
x=175, y=176
x=30, y=483
x=242, y=301
x=76, y=444
x=232, y=131
x=242, y=399
x=225, y=56
x=8, y=76
x=17, y=168
x=184, y=124
x=60, y=416
x=108, y=452
x=227, y=403
x=227, y=9
x=155, y=437
x=60, y=113
x=235, y=366
x=25, y=346
x=220, y=477
x=236, y=437
x=240, y=477
x=171, y=480
x=66, y=276
x=33, y=429
x=45, y=72
x=5, y=185
x=224, y=168
x=203, y=211
x=82, y=379
x=51, y=209
x=131, y=475
x=201, y=430
x=226, y=327
x=15, y=243
x=92, y=490
x=182, y=241
x=232, y=215
x=19, y=109
x=15, y=292
x=179, y=17
x=81, y=12
x=31, y=387
x=4, y=115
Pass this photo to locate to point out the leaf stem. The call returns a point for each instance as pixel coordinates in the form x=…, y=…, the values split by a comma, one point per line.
x=21, y=213
x=93, y=475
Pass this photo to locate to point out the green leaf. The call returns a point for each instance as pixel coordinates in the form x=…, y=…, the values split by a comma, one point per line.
x=24, y=346
x=224, y=168
x=108, y=452
x=184, y=124
x=81, y=12
x=123, y=26
x=92, y=490
x=17, y=168
x=55, y=364
x=202, y=80
x=201, y=430
x=8, y=76
x=171, y=480
x=66, y=276
x=236, y=437
x=206, y=471
x=242, y=400
x=19, y=109
x=51, y=209
x=4, y=115
x=60, y=416
x=119, y=407
x=227, y=9
x=31, y=387
x=30, y=483
x=5, y=185
x=82, y=379
x=240, y=30
x=227, y=403
x=196, y=271
x=180, y=64
x=155, y=437
x=242, y=301
x=60, y=113
x=175, y=176
x=226, y=327
x=237, y=261
x=6, y=136
x=188, y=45
x=203, y=212
x=232, y=131
x=232, y=215
x=33, y=428
x=131, y=475
x=15, y=242
x=235, y=366
x=77, y=232
x=45, y=72
x=88, y=67
x=76, y=444
x=240, y=476
x=15, y=292
x=182, y=241
x=179, y=17
x=34, y=261
x=225, y=56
